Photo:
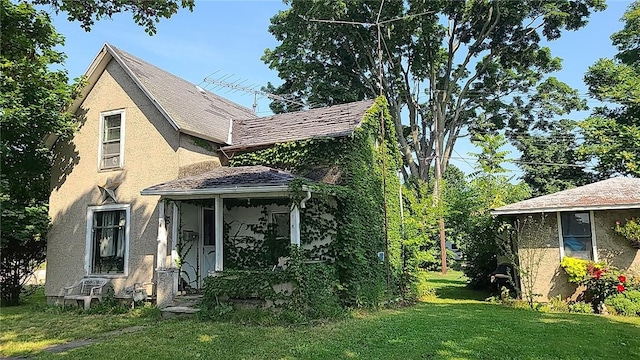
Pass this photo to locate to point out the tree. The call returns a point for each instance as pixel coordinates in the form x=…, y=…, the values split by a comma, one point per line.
x=33, y=103
x=145, y=13
x=612, y=134
x=489, y=188
x=550, y=159
x=451, y=64
x=33, y=99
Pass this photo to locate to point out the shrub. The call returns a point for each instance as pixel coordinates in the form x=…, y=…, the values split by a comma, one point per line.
x=630, y=230
x=575, y=268
x=556, y=304
x=624, y=303
x=109, y=304
x=313, y=292
x=581, y=307
x=421, y=287
x=607, y=282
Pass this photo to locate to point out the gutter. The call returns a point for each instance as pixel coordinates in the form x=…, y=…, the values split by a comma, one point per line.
x=561, y=209
x=227, y=190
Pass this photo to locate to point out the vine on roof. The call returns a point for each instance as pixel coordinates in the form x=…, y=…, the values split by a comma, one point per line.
x=354, y=203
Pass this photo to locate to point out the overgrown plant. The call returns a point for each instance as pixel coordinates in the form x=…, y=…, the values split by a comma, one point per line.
x=606, y=282
x=358, y=192
x=306, y=290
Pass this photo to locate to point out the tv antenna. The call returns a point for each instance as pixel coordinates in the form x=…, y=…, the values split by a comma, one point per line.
x=235, y=85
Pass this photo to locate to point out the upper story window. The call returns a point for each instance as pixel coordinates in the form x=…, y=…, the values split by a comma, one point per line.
x=111, y=154
x=576, y=235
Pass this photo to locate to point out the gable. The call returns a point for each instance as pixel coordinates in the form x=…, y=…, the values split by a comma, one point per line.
x=190, y=110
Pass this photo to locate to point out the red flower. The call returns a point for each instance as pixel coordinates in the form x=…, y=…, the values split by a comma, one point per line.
x=622, y=278
x=620, y=287
x=618, y=222
x=598, y=274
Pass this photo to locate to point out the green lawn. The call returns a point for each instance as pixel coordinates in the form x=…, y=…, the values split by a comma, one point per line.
x=455, y=325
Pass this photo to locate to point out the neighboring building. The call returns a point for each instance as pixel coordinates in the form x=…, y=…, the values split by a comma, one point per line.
x=579, y=223
x=144, y=188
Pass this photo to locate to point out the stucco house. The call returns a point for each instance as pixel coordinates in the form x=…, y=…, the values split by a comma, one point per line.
x=144, y=194
x=580, y=223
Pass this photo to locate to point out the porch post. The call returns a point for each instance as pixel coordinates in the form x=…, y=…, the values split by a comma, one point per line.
x=175, y=222
x=219, y=230
x=294, y=221
x=161, y=261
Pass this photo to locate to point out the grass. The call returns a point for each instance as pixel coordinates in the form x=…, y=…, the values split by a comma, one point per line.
x=456, y=324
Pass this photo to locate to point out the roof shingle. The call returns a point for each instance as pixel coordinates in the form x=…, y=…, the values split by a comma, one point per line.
x=225, y=177
x=615, y=193
x=195, y=112
x=332, y=121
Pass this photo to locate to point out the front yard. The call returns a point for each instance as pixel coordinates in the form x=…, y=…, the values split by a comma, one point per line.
x=454, y=325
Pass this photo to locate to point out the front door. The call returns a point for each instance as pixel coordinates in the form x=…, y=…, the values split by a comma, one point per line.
x=208, y=248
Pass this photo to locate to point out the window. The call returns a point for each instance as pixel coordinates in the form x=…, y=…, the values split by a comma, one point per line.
x=576, y=235
x=107, y=239
x=209, y=227
x=280, y=222
x=111, y=140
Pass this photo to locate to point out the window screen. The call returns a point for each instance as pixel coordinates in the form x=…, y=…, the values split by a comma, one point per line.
x=576, y=235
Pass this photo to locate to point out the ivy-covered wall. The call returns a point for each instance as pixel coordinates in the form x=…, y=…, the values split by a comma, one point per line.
x=362, y=173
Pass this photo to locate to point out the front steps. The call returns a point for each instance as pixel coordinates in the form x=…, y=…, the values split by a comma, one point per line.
x=183, y=306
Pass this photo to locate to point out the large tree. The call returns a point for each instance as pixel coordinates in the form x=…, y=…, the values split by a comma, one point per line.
x=33, y=102
x=33, y=99
x=452, y=65
x=145, y=13
x=549, y=158
x=612, y=133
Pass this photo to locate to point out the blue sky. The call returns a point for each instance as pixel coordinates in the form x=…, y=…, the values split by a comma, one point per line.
x=229, y=37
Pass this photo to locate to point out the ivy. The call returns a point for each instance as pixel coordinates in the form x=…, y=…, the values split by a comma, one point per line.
x=366, y=164
x=302, y=287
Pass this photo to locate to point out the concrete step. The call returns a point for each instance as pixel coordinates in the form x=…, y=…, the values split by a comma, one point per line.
x=178, y=312
x=187, y=300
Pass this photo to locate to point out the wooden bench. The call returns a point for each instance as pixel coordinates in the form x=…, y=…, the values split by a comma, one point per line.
x=86, y=289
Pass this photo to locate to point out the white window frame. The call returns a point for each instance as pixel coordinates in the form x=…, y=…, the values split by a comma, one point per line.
x=91, y=210
x=594, y=246
x=101, y=138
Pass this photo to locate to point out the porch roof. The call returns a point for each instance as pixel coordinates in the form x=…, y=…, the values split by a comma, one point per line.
x=226, y=180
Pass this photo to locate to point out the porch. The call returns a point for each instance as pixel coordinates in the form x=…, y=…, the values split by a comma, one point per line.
x=240, y=218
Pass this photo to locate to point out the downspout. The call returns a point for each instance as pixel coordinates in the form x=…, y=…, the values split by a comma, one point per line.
x=294, y=220
x=303, y=202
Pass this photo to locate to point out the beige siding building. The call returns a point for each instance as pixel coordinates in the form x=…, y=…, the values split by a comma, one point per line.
x=143, y=175
x=578, y=223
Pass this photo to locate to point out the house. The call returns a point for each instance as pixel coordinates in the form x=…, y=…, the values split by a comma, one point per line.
x=579, y=223
x=165, y=184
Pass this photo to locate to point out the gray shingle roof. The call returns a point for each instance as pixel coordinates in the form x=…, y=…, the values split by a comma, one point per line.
x=332, y=121
x=615, y=193
x=223, y=178
x=202, y=114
